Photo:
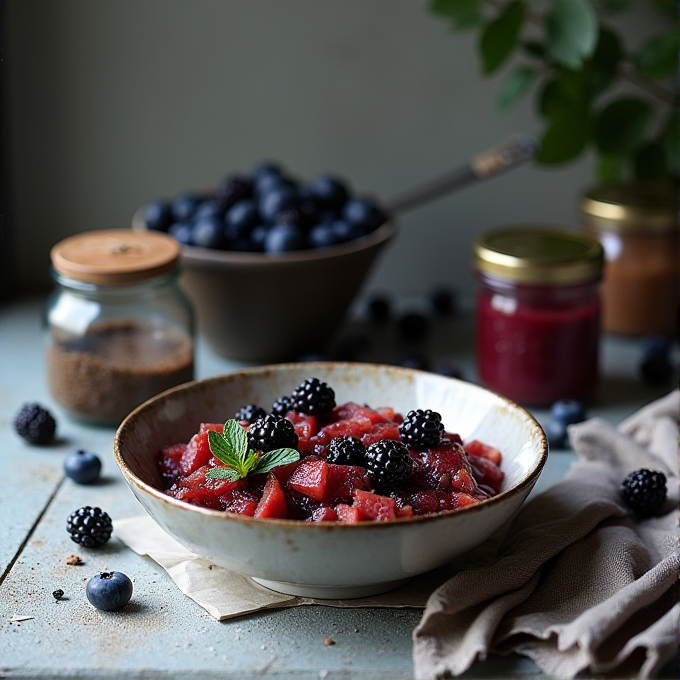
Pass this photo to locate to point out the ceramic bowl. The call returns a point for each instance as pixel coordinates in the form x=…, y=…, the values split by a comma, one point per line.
x=243, y=301
x=331, y=560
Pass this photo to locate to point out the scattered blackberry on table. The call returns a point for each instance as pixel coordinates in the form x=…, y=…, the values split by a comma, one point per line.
x=83, y=467
x=421, y=429
x=313, y=397
x=282, y=405
x=443, y=301
x=644, y=491
x=35, y=424
x=250, y=413
x=346, y=450
x=379, y=308
x=109, y=590
x=89, y=527
x=272, y=432
x=656, y=367
x=388, y=463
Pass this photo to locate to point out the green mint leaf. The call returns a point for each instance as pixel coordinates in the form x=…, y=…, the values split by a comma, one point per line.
x=236, y=437
x=274, y=458
x=223, y=450
x=222, y=473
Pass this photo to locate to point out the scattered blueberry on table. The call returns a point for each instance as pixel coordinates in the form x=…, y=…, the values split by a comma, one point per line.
x=109, y=590
x=563, y=412
x=656, y=367
x=83, y=467
x=35, y=424
x=267, y=211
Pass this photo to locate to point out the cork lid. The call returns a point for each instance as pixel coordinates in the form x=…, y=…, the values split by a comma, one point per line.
x=540, y=255
x=632, y=207
x=115, y=256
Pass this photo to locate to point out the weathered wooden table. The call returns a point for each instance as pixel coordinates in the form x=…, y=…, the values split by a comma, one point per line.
x=161, y=632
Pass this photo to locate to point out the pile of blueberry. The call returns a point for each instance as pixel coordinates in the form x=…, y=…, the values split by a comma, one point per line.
x=267, y=211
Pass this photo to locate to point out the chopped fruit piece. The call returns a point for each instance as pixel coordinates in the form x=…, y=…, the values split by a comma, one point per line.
x=349, y=514
x=273, y=501
x=324, y=514
x=486, y=472
x=375, y=506
x=406, y=511
x=477, y=448
x=310, y=478
x=343, y=480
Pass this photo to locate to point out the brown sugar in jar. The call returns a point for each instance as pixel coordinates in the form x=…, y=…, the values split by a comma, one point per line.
x=637, y=225
x=118, y=328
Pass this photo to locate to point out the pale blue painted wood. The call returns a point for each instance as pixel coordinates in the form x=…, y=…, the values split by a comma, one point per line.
x=162, y=633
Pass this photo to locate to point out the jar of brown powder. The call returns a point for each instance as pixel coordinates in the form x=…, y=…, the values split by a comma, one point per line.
x=637, y=225
x=118, y=328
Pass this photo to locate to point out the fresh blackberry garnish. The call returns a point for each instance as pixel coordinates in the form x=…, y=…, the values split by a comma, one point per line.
x=35, y=424
x=346, y=451
x=233, y=189
x=90, y=527
x=421, y=429
x=250, y=413
x=272, y=432
x=313, y=397
x=283, y=405
x=388, y=463
x=644, y=491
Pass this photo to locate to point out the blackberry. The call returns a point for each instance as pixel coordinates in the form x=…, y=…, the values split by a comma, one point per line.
x=233, y=189
x=90, y=527
x=421, y=429
x=644, y=491
x=272, y=432
x=250, y=413
x=283, y=405
x=313, y=397
x=35, y=424
x=346, y=451
x=388, y=463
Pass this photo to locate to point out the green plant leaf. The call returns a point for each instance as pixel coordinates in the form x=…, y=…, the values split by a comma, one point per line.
x=224, y=450
x=274, y=458
x=514, y=86
x=612, y=6
x=671, y=143
x=565, y=137
x=669, y=6
x=603, y=67
x=500, y=36
x=572, y=30
x=657, y=59
x=650, y=163
x=621, y=125
x=566, y=91
x=611, y=168
x=222, y=473
x=534, y=48
x=464, y=14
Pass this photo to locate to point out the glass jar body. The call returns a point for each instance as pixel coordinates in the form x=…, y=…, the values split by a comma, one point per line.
x=110, y=348
x=537, y=343
x=641, y=282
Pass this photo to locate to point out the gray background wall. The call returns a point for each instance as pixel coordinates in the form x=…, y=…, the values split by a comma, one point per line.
x=112, y=103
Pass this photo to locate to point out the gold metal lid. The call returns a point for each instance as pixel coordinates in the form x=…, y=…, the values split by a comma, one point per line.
x=115, y=256
x=634, y=206
x=537, y=254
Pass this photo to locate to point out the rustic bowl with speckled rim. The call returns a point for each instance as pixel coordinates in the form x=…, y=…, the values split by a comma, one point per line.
x=250, y=306
x=329, y=559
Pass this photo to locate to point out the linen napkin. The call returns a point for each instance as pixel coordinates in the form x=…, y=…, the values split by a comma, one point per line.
x=577, y=583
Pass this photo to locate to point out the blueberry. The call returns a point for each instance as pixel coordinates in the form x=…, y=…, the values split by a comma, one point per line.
x=83, y=467
x=242, y=218
x=109, y=590
x=184, y=206
x=443, y=300
x=347, y=231
x=182, y=232
x=568, y=411
x=209, y=232
x=656, y=370
x=413, y=326
x=330, y=192
x=274, y=202
x=207, y=209
x=158, y=216
x=379, y=308
x=656, y=345
x=556, y=432
x=282, y=238
x=364, y=213
x=449, y=370
x=415, y=360
x=322, y=236
x=257, y=238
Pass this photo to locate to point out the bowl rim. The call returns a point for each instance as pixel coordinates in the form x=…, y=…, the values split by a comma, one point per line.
x=195, y=255
x=527, y=481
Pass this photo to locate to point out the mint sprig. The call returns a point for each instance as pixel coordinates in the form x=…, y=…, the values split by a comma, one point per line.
x=231, y=447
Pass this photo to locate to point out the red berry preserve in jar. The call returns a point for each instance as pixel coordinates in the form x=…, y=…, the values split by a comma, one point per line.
x=538, y=313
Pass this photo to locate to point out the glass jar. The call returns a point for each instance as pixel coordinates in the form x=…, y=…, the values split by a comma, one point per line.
x=637, y=225
x=538, y=313
x=118, y=328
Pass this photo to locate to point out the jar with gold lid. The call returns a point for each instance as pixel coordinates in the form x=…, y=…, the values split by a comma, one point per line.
x=637, y=225
x=118, y=328
x=538, y=312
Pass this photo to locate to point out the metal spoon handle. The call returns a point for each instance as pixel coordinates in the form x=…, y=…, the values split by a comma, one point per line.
x=505, y=156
